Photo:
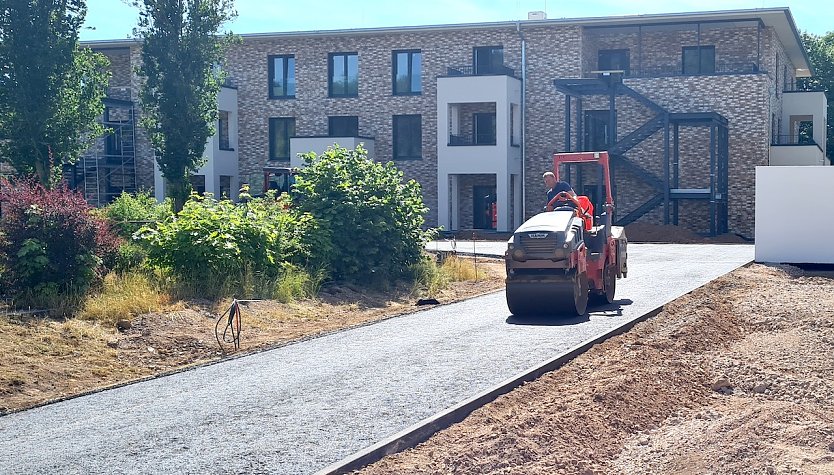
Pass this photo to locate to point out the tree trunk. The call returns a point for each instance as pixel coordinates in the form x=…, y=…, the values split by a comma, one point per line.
x=44, y=172
x=178, y=189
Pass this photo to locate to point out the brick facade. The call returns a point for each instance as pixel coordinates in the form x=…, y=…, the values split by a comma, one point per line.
x=752, y=69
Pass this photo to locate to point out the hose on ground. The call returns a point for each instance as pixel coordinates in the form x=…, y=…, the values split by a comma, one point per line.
x=231, y=333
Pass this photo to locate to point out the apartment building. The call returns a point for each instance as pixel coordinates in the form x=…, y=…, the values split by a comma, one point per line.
x=686, y=104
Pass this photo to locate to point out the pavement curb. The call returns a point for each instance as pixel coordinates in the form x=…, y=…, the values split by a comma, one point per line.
x=423, y=430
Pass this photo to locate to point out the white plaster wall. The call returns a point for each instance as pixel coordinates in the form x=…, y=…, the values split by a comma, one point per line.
x=795, y=214
x=806, y=103
x=320, y=144
x=797, y=155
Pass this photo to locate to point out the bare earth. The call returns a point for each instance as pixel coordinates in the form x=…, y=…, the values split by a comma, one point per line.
x=43, y=360
x=736, y=377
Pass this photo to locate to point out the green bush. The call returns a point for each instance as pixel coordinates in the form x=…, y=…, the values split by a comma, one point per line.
x=130, y=212
x=372, y=218
x=216, y=247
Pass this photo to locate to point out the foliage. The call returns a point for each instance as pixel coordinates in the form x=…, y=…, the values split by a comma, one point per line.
x=180, y=55
x=216, y=243
x=128, y=212
x=52, y=244
x=461, y=269
x=373, y=219
x=50, y=89
x=821, y=53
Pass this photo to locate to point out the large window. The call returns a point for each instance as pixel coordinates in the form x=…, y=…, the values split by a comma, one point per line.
x=280, y=131
x=489, y=60
x=614, y=60
x=343, y=126
x=484, y=128
x=223, y=130
x=282, y=77
x=344, y=75
x=408, y=137
x=699, y=60
x=407, y=69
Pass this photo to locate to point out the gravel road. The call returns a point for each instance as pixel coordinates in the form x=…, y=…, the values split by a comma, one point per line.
x=301, y=407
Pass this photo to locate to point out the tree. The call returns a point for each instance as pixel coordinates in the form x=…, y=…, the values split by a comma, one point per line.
x=821, y=53
x=51, y=90
x=180, y=55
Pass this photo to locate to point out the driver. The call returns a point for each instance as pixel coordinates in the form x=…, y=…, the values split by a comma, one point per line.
x=554, y=187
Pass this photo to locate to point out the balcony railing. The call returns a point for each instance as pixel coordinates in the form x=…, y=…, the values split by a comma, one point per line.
x=499, y=70
x=793, y=140
x=471, y=139
x=677, y=70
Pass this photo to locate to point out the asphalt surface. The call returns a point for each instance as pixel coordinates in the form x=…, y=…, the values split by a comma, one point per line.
x=299, y=408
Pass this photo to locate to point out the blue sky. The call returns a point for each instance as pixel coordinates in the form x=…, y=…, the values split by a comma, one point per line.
x=113, y=19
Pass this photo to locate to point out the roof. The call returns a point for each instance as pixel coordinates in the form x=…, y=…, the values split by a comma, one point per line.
x=780, y=19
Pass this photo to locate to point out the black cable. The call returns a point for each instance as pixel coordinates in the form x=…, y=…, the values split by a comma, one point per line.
x=231, y=333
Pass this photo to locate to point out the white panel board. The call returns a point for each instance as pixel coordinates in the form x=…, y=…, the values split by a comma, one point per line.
x=795, y=214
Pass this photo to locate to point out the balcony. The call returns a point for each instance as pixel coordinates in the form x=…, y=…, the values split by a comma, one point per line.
x=792, y=150
x=674, y=70
x=320, y=143
x=492, y=70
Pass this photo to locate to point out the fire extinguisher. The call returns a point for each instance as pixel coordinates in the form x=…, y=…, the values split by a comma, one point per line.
x=493, y=211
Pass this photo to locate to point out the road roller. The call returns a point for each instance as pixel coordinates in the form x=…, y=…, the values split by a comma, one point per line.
x=559, y=260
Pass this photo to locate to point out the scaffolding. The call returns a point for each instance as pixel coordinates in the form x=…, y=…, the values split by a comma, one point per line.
x=109, y=167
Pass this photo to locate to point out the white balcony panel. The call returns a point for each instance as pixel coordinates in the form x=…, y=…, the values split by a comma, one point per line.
x=301, y=145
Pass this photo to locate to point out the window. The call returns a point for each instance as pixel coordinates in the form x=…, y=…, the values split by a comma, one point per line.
x=489, y=59
x=613, y=60
x=515, y=125
x=484, y=128
x=225, y=187
x=282, y=77
x=198, y=183
x=343, y=126
x=699, y=60
x=407, y=69
x=223, y=130
x=280, y=131
x=344, y=75
x=408, y=137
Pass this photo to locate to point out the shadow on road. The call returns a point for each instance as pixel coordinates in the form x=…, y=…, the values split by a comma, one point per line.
x=614, y=309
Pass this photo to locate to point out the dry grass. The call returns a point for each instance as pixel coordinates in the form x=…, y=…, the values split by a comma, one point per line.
x=459, y=269
x=122, y=298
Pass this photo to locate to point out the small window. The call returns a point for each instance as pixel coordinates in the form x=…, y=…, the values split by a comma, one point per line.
x=698, y=60
x=343, y=126
x=614, y=60
x=198, y=183
x=484, y=128
x=515, y=125
x=225, y=187
x=282, y=77
x=280, y=131
x=408, y=137
x=407, y=69
x=489, y=60
x=344, y=75
x=223, y=130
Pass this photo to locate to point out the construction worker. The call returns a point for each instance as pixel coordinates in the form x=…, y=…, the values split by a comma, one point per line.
x=554, y=187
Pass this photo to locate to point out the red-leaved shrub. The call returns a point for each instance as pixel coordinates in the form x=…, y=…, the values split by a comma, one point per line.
x=50, y=243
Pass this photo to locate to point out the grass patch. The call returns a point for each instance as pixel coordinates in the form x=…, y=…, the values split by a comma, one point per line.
x=459, y=269
x=123, y=296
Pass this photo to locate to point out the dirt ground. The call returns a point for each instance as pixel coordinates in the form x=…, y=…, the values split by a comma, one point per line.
x=43, y=360
x=736, y=377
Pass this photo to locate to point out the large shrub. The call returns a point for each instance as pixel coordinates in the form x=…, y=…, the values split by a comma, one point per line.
x=373, y=217
x=51, y=244
x=220, y=246
x=129, y=212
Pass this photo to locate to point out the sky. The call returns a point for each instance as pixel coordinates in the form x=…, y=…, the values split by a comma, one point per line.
x=114, y=19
